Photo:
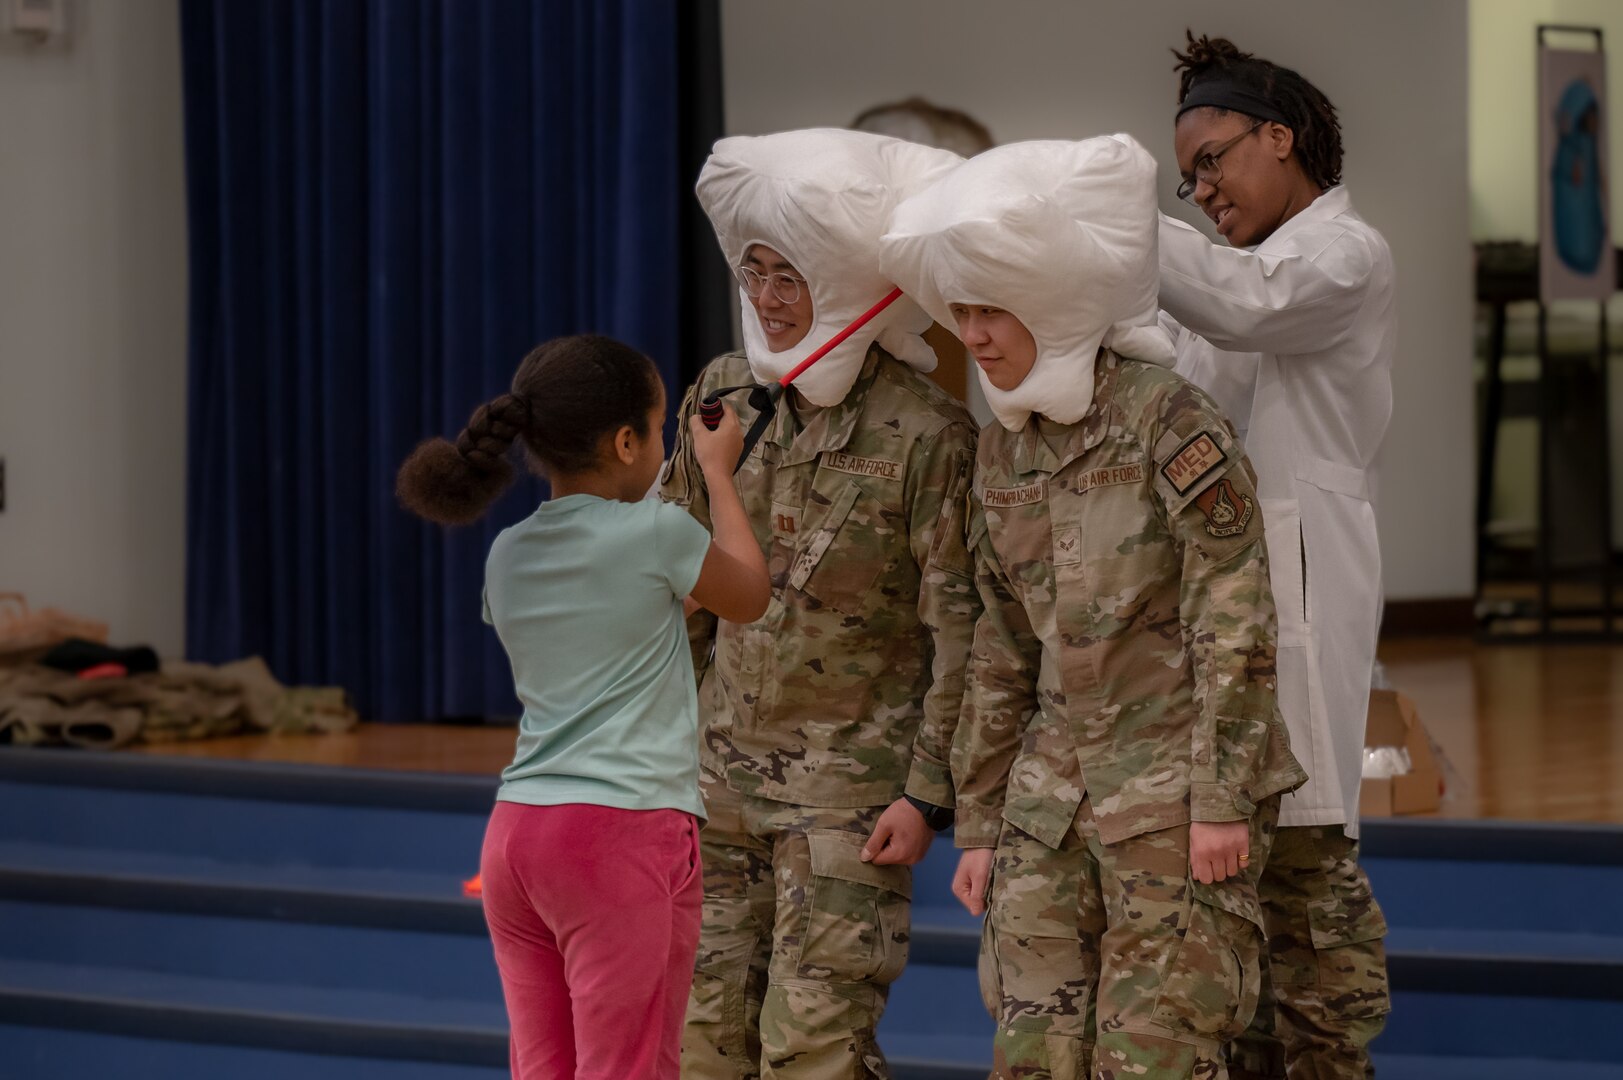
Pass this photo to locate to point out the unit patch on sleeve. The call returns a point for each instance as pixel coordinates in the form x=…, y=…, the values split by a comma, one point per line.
x=861, y=466
x=1193, y=461
x=1228, y=511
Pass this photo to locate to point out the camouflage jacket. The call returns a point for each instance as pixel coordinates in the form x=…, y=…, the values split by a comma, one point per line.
x=846, y=692
x=1128, y=640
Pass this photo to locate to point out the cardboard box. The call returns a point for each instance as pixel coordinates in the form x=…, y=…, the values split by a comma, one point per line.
x=1394, y=722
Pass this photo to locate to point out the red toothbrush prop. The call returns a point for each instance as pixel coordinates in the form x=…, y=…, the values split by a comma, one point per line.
x=765, y=398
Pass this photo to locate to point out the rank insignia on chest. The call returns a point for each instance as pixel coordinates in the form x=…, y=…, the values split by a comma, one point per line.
x=1194, y=460
x=785, y=519
x=1068, y=546
x=1227, y=510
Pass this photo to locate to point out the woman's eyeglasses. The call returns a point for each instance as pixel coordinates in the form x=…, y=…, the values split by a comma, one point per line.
x=1208, y=167
x=786, y=287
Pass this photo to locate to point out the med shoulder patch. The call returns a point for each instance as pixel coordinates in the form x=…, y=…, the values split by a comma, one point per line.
x=1192, y=462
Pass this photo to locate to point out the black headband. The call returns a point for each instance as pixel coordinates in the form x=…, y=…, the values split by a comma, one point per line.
x=1222, y=92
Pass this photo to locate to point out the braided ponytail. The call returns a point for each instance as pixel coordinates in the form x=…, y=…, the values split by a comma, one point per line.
x=567, y=395
x=1306, y=110
x=454, y=483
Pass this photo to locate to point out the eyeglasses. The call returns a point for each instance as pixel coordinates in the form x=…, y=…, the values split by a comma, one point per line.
x=1208, y=170
x=786, y=287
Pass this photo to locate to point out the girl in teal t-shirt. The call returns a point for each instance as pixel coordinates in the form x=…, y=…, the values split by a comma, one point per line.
x=590, y=867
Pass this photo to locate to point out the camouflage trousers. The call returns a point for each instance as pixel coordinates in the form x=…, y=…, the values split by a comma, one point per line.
x=1325, y=993
x=800, y=942
x=1110, y=961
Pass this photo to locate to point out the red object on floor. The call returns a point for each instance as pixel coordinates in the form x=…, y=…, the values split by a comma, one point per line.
x=473, y=888
x=594, y=914
x=105, y=671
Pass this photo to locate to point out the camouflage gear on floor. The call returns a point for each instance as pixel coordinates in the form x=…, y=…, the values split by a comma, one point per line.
x=1325, y=996
x=41, y=706
x=1111, y=958
x=800, y=943
x=842, y=697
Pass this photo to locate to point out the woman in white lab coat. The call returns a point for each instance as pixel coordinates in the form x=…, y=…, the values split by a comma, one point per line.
x=1291, y=328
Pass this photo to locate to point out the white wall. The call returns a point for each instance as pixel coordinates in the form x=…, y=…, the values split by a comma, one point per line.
x=1059, y=69
x=92, y=233
x=92, y=320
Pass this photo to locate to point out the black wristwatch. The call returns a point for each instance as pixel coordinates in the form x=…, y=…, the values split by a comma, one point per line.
x=937, y=817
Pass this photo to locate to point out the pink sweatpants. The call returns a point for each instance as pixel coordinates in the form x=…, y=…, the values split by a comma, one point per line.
x=594, y=914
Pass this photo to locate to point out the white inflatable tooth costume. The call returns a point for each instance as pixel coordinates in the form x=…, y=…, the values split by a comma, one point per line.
x=1060, y=234
x=821, y=198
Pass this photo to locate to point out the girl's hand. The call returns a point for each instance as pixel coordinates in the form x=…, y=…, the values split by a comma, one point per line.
x=969, y=882
x=718, y=449
x=733, y=581
x=1216, y=847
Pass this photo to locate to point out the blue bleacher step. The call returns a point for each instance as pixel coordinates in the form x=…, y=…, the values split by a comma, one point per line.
x=39, y=1053
x=1484, y=875
x=952, y=1058
x=1568, y=843
x=1500, y=895
x=955, y=1058
x=1545, y=963
x=243, y=830
x=1430, y=1037
x=937, y=1057
x=165, y=881
x=299, y=1019
x=945, y=999
x=932, y=1002
x=220, y=901
x=245, y=812
x=160, y=1008
x=1461, y=1024
x=1516, y=963
x=1521, y=944
x=306, y=954
x=1413, y=1067
x=109, y=771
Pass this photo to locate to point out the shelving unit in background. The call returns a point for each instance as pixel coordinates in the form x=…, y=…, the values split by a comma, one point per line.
x=1552, y=577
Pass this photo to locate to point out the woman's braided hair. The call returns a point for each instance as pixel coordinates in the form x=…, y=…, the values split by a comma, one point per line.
x=1308, y=112
x=568, y=394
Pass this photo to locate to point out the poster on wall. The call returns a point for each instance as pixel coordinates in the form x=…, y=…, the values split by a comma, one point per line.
x=1576, y=260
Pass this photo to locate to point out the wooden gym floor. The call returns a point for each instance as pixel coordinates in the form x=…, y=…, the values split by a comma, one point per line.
x=1528, y=732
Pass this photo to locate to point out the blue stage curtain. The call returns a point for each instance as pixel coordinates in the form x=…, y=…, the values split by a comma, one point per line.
x=390, y=202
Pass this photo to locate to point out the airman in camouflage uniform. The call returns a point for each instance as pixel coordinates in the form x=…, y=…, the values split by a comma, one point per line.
x=1324, y=993
x=1121, y=686
x=836, y=703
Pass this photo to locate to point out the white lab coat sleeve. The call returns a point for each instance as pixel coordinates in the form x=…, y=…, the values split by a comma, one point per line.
x=1243, y=301
x=1173, y=328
